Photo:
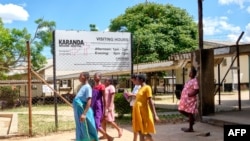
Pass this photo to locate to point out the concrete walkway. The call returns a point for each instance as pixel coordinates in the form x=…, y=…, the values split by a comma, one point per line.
x=8, y=126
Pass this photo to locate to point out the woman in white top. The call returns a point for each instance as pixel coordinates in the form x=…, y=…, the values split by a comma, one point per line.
x=132, y=95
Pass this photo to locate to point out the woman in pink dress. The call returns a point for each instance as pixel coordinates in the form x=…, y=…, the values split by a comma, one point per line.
x=110, y=106
x=188, y=100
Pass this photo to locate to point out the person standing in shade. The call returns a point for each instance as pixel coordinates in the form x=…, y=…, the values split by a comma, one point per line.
x=98, y=104
x=131, y=96
x=83, y=113
x=110, y=106
x=144, y=114
x=188, y=100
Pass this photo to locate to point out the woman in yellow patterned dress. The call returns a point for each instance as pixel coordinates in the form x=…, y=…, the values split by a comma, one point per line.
x=144, y=113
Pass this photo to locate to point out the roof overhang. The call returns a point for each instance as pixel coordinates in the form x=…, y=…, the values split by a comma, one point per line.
x=140, y=68
x=18, y=82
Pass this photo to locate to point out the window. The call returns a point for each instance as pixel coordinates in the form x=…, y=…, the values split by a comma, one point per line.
x=65, y=83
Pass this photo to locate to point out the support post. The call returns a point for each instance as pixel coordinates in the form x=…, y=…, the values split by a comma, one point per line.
x=29, y=87
x=238, y=69
x=219, y=84
x=249, y=75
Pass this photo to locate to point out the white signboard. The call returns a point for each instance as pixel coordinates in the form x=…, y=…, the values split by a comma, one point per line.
x=85, y=50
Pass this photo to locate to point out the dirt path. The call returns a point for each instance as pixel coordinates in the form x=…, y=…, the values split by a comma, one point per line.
x=169, y=132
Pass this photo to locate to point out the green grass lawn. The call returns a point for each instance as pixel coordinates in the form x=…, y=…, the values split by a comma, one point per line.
x=43, y=124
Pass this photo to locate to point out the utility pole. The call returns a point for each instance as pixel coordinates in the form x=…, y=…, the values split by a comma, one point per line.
x=29, y=87
x=200, y=14
x=200, y=32
x=206, y=71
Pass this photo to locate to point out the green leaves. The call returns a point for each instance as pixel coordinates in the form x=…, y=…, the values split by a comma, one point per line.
x=13, y=50
x=158, y=31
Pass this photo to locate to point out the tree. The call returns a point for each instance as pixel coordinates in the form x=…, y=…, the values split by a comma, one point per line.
x=43, y=37
x=13, y=46
x=93, y=27
x=158, y=31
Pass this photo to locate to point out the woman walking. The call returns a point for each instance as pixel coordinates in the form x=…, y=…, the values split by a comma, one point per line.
x=83, y=113
x=131, y=96
x=98, y=104
x=144, y=113
x=110, y=106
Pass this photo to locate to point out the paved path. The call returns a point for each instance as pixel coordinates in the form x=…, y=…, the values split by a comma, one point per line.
x=4, y=124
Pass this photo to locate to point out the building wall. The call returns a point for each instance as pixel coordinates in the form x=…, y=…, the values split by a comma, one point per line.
x=231, y=79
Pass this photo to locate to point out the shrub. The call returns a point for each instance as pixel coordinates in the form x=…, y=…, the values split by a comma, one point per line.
x=9, y=95
x=121, y=105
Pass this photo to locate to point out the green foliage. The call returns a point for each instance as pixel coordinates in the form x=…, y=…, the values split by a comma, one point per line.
x=9, y=95
x=43, y=38
x=121, y=105
x=3, y=76
x=13, y=48
x=158, y=31
x=93, y=27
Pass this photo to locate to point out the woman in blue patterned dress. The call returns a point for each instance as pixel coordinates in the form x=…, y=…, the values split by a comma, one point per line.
x=83, y=113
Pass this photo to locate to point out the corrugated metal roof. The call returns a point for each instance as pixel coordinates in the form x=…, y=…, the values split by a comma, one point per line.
x=220, y=50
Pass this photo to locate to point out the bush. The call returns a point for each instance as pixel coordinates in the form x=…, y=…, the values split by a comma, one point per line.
x=9, y=95
x=121, y=105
